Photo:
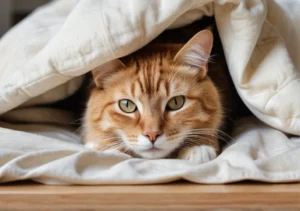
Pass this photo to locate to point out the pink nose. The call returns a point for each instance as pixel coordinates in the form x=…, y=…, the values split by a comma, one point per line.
x=153, y=135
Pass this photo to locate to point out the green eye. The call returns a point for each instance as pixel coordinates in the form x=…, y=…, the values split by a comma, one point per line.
x=175, y=103
x=127, y=106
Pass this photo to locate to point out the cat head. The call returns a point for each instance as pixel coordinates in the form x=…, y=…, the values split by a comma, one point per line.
x=154, y=101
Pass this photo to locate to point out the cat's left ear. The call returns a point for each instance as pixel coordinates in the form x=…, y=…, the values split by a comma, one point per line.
x=101, y=73
x=195, y=53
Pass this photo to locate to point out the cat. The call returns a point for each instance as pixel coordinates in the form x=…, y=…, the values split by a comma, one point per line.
x=161, y=101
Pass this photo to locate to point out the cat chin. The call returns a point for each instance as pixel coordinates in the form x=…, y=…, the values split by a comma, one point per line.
x=153, y=154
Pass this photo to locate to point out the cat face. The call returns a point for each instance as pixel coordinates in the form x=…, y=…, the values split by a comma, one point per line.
x=155, y=102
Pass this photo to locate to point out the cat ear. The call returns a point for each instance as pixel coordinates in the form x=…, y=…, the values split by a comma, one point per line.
x=104, y=71
x=195, y=53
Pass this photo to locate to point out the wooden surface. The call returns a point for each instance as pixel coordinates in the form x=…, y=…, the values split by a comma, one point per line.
x=176, y=196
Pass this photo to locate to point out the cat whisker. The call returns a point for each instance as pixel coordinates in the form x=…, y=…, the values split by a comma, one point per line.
x=78, y=129
x=209, y=130
x=76, y=121
x=199, y=134
x=205, y=136
x=110, y=138
x=117, y=146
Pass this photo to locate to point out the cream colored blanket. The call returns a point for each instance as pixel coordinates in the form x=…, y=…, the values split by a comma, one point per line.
x=43, y=58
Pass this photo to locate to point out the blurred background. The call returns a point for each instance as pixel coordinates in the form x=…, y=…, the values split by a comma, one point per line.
x=13, y=11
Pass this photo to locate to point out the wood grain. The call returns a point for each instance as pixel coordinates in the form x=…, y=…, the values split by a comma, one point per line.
x=176, y=196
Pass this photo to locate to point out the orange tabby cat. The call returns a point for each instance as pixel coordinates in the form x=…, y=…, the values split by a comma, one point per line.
x=157, y=102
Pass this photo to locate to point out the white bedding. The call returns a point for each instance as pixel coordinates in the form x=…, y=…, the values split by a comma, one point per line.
x=43, y=58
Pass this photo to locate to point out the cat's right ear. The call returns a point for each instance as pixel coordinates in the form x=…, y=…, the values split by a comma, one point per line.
x=101, y=73
x=196, y=52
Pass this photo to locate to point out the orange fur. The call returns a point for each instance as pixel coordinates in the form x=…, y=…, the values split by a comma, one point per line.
x=149, y=78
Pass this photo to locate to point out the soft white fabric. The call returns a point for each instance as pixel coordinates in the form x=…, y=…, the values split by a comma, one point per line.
x=260, y=153
x=44, y=57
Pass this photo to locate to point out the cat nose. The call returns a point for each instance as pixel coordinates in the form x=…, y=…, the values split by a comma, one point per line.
x=153, y=135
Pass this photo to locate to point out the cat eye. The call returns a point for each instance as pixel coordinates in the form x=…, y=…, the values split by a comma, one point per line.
x=127, y=106
x=175, y=103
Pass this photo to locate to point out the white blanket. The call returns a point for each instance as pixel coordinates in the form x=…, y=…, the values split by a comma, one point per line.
x=43, y=58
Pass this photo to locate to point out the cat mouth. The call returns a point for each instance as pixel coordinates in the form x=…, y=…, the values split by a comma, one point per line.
x=153, y=153
x=153, y=149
